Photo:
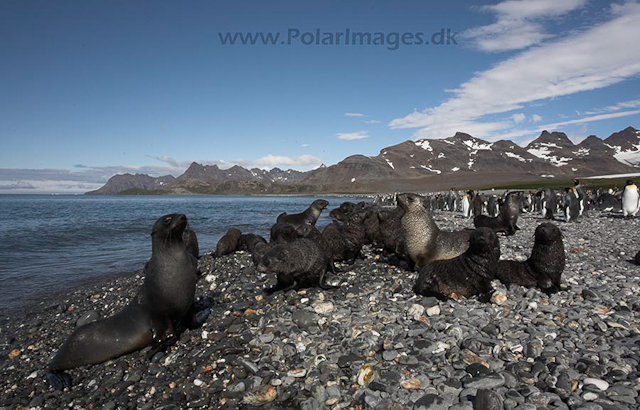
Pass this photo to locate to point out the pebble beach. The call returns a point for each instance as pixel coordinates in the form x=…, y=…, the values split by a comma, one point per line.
x=371, y=344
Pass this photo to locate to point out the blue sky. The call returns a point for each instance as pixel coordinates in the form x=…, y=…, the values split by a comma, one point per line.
x=90, y=89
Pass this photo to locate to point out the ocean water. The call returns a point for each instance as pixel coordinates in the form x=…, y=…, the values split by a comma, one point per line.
x=51, y=243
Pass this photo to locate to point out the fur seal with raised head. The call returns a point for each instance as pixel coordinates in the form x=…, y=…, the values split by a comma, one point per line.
x=344, y=242
x=163, y=305
x=466, y=275
x=308, y=217
x=423, y=240
x=545, y=265
x=248, y=242
x=298, y=264
x=506, y=219
x=228, y=243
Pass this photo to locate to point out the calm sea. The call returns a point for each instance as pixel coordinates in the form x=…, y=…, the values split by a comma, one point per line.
x=51, y=243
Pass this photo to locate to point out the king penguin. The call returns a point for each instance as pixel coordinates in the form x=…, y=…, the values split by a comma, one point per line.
x=630, y=200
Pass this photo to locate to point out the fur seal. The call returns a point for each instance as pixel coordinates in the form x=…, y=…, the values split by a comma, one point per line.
x=308, y=217
x=544, y=266
x=465, y=275
x=506, y=219
x=228, y=243
x=163, y=305
x=344, y=242
x=248, y=242
x=298, y=264
x=630, y=200
x=389, y=230
x=423, y=240
x=191, y=242
x=281, y=233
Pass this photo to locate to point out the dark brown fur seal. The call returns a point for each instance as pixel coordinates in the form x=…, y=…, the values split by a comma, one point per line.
x=308, y=217
x=228, y=243
x=466, y=275
x=545, y=265
x=389, y=235
x=191, y=242
x=344, y=242
x=163, y=305
x=506, y=219
x=423, y=240
x=282, y=233
x=249, y=241
x=299, y=264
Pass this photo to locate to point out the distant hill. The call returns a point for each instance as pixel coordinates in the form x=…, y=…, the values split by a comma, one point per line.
x=428, y=164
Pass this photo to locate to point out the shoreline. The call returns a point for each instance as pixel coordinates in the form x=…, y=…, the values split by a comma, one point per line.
x=307, y=349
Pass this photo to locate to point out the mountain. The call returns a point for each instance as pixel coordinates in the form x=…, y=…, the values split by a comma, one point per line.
x=626, y=145
x=124, y=182
x=459, y=161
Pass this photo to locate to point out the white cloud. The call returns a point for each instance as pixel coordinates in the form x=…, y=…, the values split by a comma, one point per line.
x=371, y=122
x=536, y=118
x=518, y=23
x=562, y=124
x=352, y=135
x=519, y=117
x=616, y=107
x=280, y=160
x=353, y=114
x=596, y=58
x=304, y=145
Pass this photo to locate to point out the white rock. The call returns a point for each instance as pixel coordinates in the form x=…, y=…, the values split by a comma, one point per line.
x=599, y=383
x=433, y=311
x=323, y=308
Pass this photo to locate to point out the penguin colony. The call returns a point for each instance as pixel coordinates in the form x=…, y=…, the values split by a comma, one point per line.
x=450, y=265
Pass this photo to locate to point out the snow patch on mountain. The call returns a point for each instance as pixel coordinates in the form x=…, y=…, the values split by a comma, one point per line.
x=582, y=152
x=390, y=164
x=441, y=155
x=424, y=144
x=516, y=156
x=428, y=168
x=455, y=169
x=477, y=146
x=545, y=153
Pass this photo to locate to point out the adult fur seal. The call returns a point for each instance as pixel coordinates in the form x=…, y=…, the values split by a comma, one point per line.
x=162, y=306
x=423, y=240
x=544, y=266
x=506, y=219
x=228, y=243
x=466, y=275
x=301, y=263
x=191, y=242
x=308, y=217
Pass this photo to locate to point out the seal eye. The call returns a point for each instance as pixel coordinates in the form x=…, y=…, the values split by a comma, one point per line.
x=166, y=221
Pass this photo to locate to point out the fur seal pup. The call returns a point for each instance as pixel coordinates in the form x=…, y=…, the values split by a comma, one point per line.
x=281, y=233
x=545, y=265
x=506, y=219
x=298, y=264
x=163, y=305
x=637, y=258
x=389, y=229
x=465, y=275
x=630, y=200
x=423, y=240
x=308, y=217
x=344, y=242
x=248, y=242
x=191, y=242
x=228, y=243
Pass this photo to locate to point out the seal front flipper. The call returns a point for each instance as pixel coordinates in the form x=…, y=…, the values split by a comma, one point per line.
x=58, y=379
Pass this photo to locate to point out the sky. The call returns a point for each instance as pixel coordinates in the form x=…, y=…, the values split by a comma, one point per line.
x=92, y=89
